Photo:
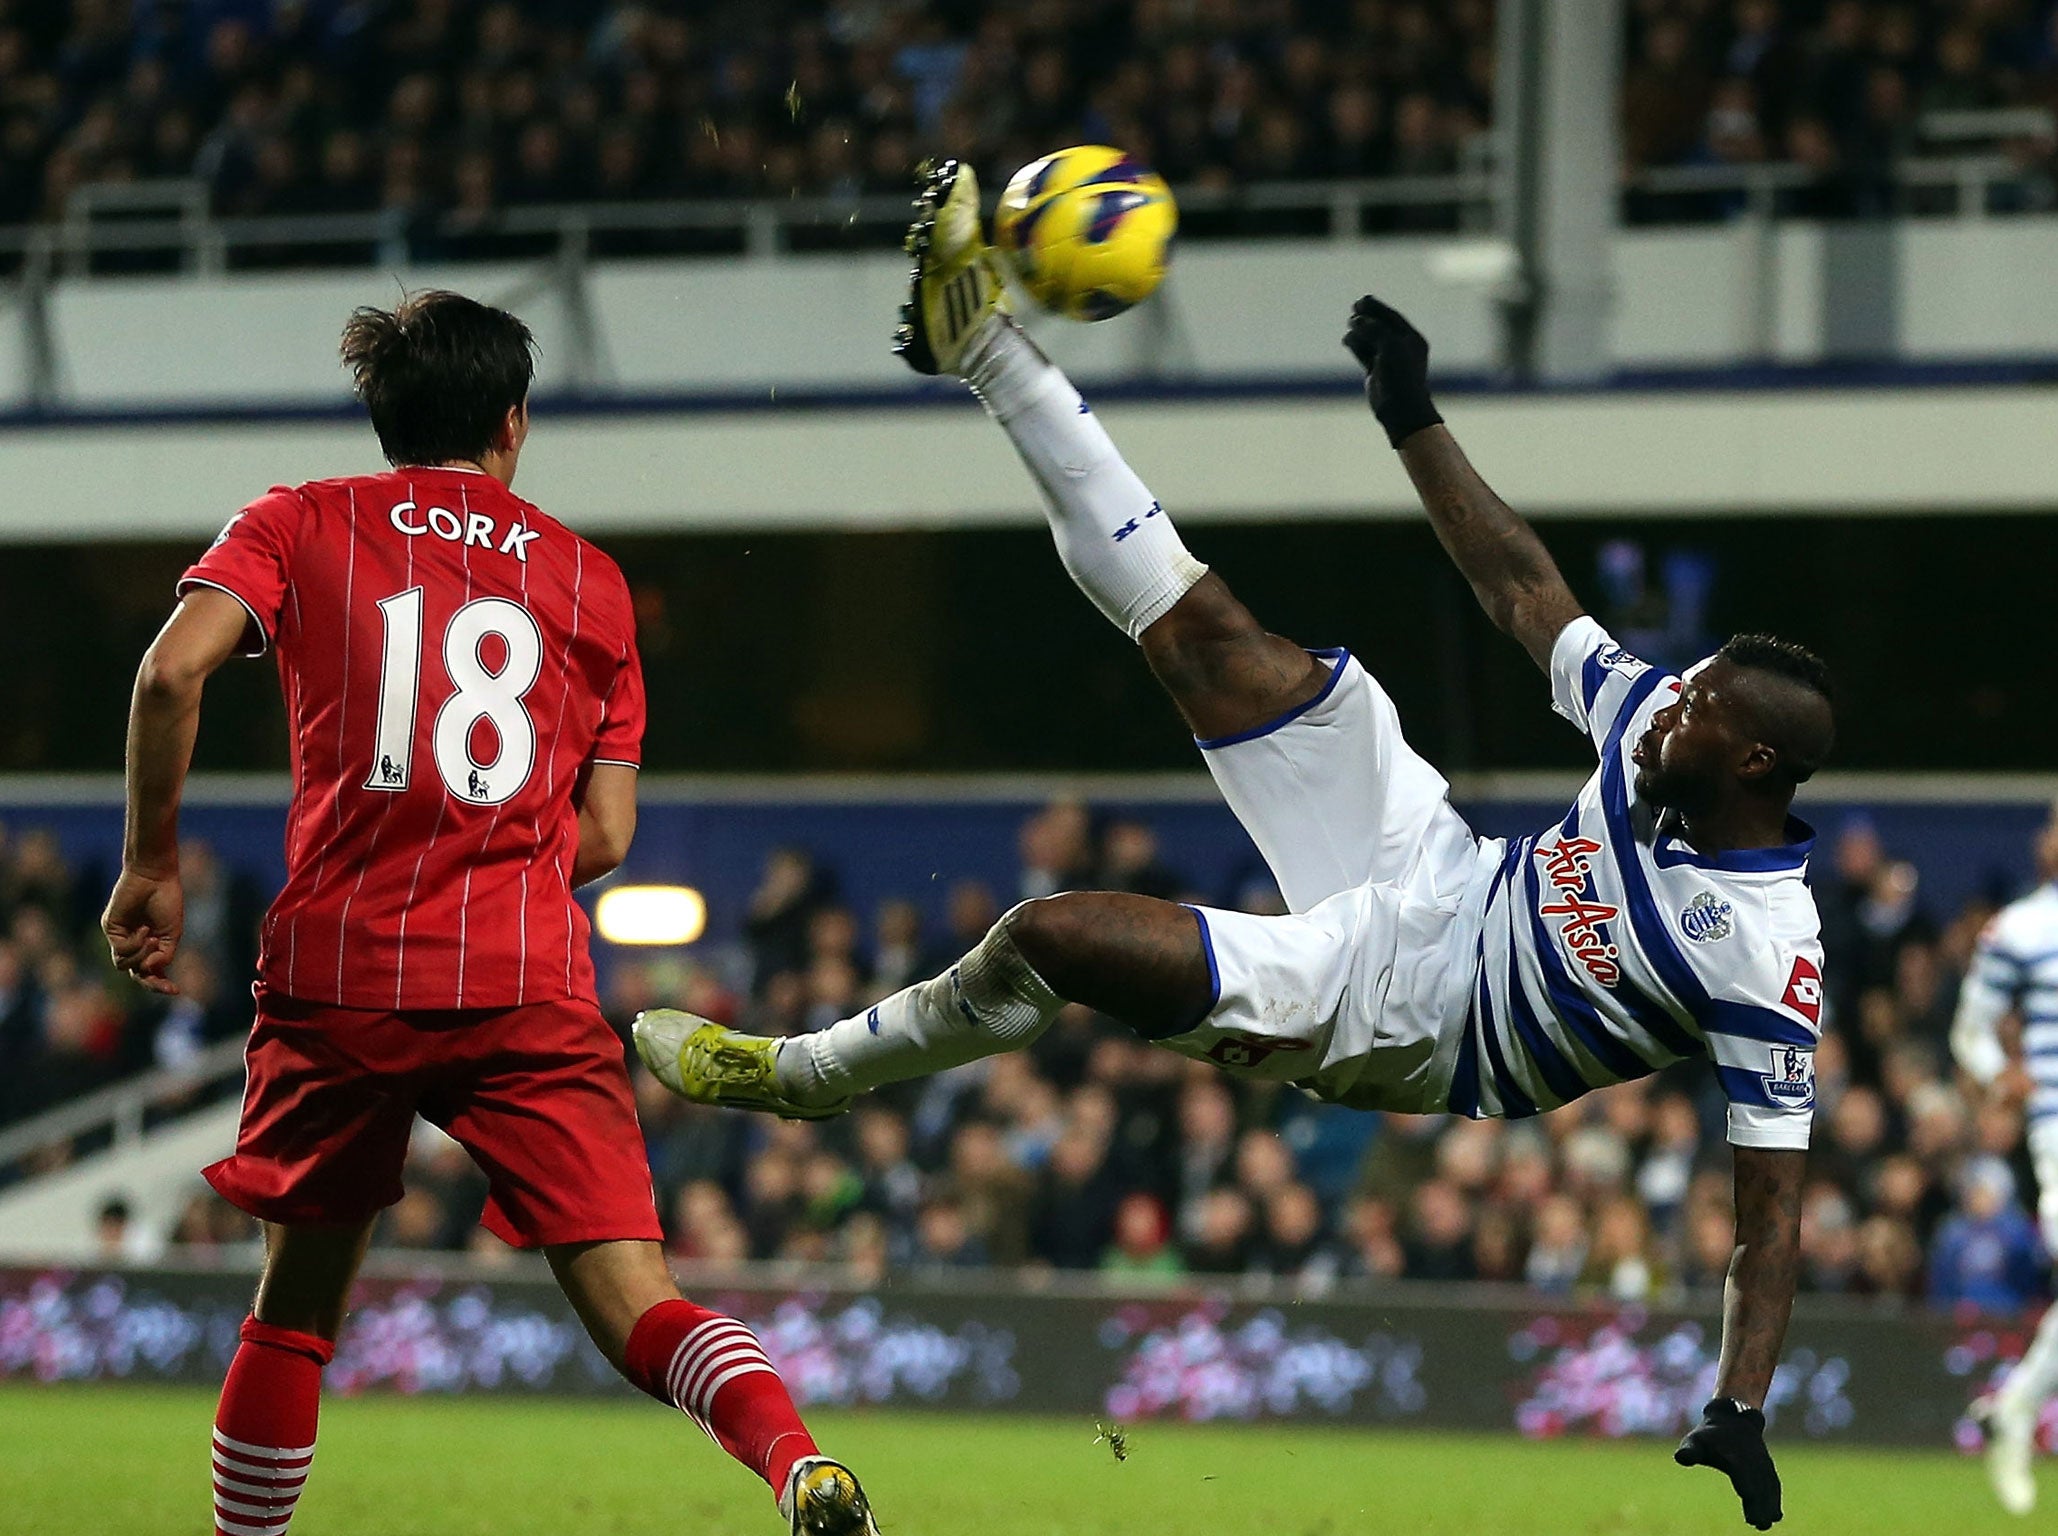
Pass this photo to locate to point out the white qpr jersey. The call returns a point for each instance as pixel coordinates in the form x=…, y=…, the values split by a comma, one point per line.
x=2015, y=969
x=1610, y=948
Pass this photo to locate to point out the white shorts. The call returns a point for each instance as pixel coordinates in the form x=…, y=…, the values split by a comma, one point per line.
x=1359, y=995
x=2043, y=1155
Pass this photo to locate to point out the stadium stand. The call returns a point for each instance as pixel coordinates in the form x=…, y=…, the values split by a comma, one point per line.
x=425, y=108
x=1098, y=1152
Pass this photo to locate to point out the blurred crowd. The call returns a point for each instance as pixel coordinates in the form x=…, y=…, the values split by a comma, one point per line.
x=68, y=1025
x=301, y=106
x=1841, y=88
x=467, y=107
x=1096, y=1151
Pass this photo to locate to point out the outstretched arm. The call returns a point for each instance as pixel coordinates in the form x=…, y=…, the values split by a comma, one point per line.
x=1511, y=573
x=1760, y=1294
x=1756, y=1304
x=146, y=914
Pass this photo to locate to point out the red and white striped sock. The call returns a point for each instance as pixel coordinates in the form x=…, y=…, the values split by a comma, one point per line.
x=713, y=1370
x=264, y=1428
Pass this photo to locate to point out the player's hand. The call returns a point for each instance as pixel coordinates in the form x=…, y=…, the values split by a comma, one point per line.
x=1395, y=357
x=144, y=920
x=1731, y=1439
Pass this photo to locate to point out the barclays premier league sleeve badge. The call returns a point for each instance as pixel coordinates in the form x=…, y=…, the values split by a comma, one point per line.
x=1791, y=1084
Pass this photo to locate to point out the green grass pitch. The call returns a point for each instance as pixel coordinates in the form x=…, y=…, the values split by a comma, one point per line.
x=130, y=1462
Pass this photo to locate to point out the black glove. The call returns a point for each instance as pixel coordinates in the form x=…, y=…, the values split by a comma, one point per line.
x=1395, y=357
x=1731, y=1439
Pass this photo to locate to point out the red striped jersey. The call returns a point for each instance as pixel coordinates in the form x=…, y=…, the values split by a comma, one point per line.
x=454, y=663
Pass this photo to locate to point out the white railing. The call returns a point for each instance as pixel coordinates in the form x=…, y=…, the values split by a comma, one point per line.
x=1964, y=154
x=1967, y=173
x=121, y=1113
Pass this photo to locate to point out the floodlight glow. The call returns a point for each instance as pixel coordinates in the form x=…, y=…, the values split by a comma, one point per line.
x=650, y=914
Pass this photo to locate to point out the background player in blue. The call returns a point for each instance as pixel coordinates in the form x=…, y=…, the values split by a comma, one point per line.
x=2015, y=971
x=1421, y=968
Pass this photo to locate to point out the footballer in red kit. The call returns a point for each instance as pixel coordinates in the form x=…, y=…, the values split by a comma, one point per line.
x=466, y=712
x=454, y=662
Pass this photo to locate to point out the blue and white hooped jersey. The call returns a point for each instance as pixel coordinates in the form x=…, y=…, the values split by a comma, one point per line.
x=1610, y=948
x=2015, y=969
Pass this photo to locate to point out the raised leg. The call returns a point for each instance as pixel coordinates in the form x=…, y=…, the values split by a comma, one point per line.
x=1119, y=545
x=1226, y=673
x=1132, y=957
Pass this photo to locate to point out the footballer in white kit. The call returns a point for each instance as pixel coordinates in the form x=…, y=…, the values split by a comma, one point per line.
x=2015, y=971
x=1421, y=967
x=1482, y=977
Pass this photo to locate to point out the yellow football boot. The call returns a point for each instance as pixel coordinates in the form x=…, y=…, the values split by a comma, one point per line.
x=710, y=1063
x=822, y=1498
x=954, y=285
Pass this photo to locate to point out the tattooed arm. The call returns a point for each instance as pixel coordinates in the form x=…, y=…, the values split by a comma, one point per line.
x=1760, y=1295
x=1511, y=572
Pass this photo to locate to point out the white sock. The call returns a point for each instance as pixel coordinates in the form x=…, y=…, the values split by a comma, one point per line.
x=989, y=1002
x=1112, y=534
x=2034, y=1381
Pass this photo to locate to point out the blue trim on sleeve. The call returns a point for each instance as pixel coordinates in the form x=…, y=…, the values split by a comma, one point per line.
x=1214, y=970
x=1740, y=1086
x=1337, y=654
x=1748, y=1021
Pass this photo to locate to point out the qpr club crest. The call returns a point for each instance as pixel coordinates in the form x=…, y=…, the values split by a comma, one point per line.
x=1792, y=1080
x=1707, y=918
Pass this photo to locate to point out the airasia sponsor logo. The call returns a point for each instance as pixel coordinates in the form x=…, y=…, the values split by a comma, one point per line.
x=1582, y=921
x=1804, y=991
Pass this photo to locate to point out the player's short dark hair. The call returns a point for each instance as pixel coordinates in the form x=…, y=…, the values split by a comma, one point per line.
x=1769, y=653
x=1804, y=735
x=438, y=372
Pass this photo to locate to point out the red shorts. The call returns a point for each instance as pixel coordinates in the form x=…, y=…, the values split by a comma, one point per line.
x=538, y=1095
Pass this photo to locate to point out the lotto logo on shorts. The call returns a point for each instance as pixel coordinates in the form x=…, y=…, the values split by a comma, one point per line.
x=1804, y=991
x=1245, y=1051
